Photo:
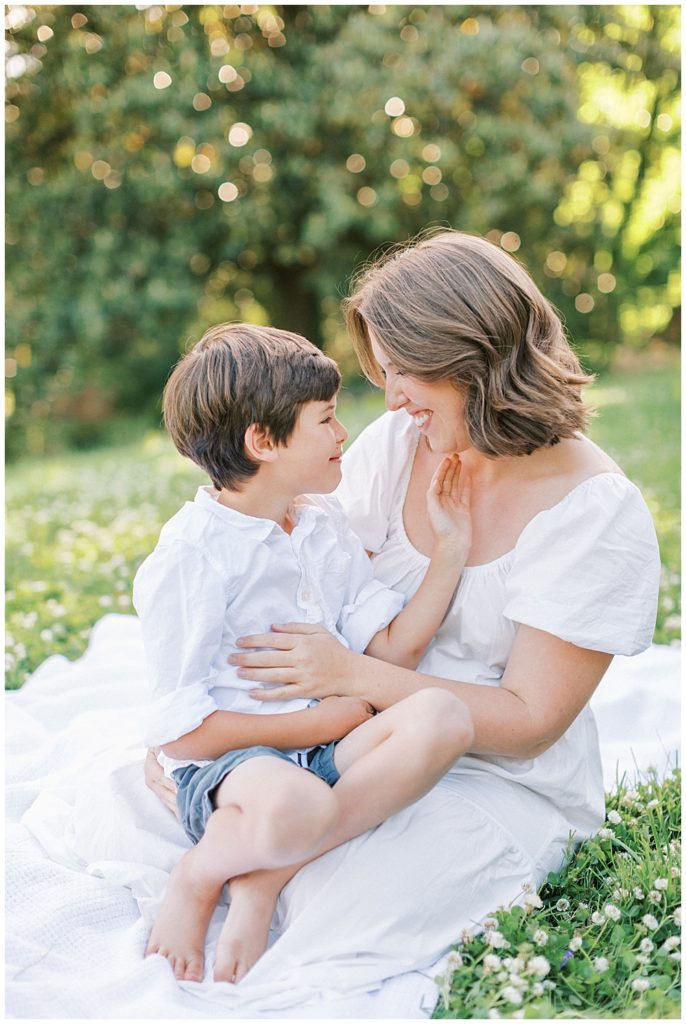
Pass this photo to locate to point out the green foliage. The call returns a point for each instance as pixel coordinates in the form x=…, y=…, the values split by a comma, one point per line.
x=601, y=940
x=285, y=145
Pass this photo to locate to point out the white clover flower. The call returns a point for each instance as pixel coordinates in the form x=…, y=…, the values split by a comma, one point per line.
x=517, y=981
x=540, y=937
x=496, y=940
x=600, y=964
x=105, y=601
x=466, y=936
x=605, y=833
x=676, y=955
x=494, y=1014
x=650, y=922
x=581, y=905
x=562, y=904
x=454, y=961
x=549, y=985
x=513, y=995
x=677, y=916
x=491, y=963
x=639, y=894
x=537, y=989
x=518, y=1014
x=9, y=662
x=669, y=944
x=490, y=923
x=597, y=917
x=614, y=817
x=47, y=635
x=640, y=984
x=538, y=966
x=629, y=797
x=660, y=883
x=576, y=943
x=611, y=911
x=532, y=901
x=514, y=964
x=654, y=896
x=676, y=871
x=642, y=958
x=527, y=887
x=646, y=945
x=651, y=804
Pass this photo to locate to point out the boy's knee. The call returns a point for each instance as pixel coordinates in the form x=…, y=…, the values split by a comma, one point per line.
x=444, y=722
x=293, y=819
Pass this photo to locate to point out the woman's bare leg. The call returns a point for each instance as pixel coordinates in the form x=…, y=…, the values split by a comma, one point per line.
x=386, y=764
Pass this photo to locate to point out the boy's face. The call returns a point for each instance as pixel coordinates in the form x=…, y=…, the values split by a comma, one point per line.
x=310, y=461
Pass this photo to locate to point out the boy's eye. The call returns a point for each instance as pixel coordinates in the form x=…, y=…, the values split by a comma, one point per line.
x=328, y=419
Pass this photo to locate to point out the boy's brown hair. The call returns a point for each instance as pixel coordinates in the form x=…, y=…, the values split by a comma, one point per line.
x=455, y=307
x=237, y=375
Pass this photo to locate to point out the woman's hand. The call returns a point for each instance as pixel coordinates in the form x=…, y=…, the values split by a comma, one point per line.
x=448, y=507
x=155, y=779
x=305, y=660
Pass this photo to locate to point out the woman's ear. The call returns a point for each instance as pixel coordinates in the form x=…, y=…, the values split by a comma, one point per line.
x=259, y=444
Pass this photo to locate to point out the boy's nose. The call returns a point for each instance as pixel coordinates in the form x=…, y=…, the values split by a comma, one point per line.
x=342, y=433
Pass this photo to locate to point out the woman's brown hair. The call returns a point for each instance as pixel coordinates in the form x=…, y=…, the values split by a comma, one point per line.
x=455, y=307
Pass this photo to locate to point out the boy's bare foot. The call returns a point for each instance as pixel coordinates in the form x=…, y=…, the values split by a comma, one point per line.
x=179, y=931
x=243, y=939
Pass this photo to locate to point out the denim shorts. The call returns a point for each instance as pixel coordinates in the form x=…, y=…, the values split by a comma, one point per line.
x=196, y=784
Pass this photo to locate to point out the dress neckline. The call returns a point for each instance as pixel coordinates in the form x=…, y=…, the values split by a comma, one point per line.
x=507, y=555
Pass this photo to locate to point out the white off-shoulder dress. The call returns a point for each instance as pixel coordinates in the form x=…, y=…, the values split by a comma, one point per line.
x=586, y=570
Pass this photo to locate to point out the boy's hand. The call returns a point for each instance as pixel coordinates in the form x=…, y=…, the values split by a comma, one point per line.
x=448, y=507
x=337, y=716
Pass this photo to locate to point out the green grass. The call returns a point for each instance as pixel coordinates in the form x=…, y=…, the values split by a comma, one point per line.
x=79, y=525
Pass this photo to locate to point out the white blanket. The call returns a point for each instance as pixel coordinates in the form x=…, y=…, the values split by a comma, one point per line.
x=89, y=848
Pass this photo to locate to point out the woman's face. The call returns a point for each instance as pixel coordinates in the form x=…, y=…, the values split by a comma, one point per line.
x=437, y=408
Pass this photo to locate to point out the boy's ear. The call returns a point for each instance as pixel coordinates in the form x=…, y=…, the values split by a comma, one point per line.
x=259, y=444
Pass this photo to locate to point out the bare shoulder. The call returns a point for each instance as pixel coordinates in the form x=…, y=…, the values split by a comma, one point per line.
x=579, y=458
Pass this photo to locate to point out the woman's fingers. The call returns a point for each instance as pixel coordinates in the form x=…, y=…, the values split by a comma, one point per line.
x=277, y=693
x=271, y=640
x=260, y=659
x=278, y=638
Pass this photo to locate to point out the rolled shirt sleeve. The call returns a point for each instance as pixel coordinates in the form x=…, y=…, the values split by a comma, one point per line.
x=181, y=602
x=369, y=604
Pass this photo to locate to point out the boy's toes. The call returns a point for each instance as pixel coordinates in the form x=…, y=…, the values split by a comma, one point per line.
x=225, y=970
x=195, y=969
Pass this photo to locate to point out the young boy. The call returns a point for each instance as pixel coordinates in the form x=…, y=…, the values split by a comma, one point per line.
x=256, y=409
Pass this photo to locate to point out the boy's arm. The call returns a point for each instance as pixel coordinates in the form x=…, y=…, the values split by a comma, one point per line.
x=222, y=731
x=405, y=639
x=182, y=601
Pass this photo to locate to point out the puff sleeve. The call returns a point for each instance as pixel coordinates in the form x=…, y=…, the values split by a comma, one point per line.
x=371, y=469
x=588, y=570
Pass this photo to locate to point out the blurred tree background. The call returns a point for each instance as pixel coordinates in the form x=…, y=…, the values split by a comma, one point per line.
x=168, y=167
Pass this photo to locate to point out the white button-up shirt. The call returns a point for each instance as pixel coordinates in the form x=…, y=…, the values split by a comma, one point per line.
x=216, y=575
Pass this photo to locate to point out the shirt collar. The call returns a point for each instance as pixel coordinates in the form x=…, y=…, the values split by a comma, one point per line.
x=252, y=526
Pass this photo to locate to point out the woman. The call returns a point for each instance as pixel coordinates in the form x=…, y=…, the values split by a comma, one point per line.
x=563, y=574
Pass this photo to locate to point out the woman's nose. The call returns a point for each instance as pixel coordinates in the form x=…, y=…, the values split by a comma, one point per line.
x=395, y=398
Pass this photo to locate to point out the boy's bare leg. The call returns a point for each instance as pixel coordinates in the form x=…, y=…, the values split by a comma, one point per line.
x=378, y=778
x=269, y=813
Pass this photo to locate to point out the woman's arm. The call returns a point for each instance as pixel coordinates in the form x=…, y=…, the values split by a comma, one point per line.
x=546, y=684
